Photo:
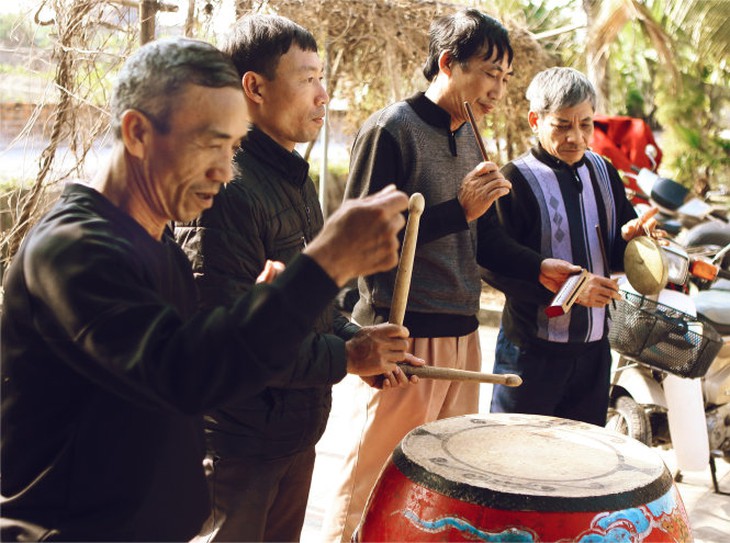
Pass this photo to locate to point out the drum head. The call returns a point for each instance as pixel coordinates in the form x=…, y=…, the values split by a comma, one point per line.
x=532, y=462
x=645, y=266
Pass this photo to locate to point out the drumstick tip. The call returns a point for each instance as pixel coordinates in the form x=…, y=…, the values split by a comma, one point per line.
x=512, y=380
x=416, y=203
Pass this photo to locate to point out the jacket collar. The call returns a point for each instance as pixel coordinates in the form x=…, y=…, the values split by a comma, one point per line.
x=290, y=165
x=554, y=162
x=436, y=116
x=430, y=112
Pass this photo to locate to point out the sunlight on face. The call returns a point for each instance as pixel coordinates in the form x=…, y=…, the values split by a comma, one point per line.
x=481, y=82
x=188, y=165
x=294, y=101
x=565, y=134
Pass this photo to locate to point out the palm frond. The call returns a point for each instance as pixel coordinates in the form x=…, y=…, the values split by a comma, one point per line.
x=615, y=15
x=706, y=22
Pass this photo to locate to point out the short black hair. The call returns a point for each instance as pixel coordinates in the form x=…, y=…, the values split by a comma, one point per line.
x=464, y=34
x=257, y=42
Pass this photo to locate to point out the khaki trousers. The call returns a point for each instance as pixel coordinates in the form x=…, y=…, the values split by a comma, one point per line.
x=380, y=419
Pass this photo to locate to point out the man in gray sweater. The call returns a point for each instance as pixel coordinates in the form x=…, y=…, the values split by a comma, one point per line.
x=425, y=144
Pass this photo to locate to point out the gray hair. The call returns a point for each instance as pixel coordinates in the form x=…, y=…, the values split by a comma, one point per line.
x=158, y=71
x=558, y=88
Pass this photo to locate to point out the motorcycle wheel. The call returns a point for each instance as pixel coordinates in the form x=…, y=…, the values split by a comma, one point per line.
x=629, y=418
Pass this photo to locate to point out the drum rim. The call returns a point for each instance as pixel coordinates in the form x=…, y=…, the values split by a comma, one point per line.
x=498, y=499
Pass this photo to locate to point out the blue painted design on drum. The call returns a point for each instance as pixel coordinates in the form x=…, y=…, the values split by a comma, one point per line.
x=663, y=506
x=634, y=516
x=613, y=525
x=444, y=523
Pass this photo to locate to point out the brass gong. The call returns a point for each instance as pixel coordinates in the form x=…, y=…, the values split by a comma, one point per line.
x=645, y=265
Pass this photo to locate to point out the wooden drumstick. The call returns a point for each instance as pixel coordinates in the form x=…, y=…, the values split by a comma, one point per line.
x=400, y=299
x=475, y=130
x=451, y=374
x=403, y=275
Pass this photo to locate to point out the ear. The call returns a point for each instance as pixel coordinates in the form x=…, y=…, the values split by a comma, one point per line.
x=445, y=62
x=253, y=84
x=532, y=118
x=136, y=132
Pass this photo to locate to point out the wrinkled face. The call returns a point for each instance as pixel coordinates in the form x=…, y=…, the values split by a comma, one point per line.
x=480, y=82
x=565, y=134
x=292, y=110
x=186, y=167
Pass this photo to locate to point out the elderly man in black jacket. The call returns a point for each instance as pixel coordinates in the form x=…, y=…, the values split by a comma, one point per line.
x=106, y=366
x=261, y=449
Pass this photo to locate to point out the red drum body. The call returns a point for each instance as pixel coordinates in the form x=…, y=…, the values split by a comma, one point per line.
x=528, y=478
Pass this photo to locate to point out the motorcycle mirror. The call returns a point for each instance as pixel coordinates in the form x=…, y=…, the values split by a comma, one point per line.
x=651, y=153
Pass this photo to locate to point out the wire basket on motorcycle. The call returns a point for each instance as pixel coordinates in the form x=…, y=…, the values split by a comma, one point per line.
x=662, y=337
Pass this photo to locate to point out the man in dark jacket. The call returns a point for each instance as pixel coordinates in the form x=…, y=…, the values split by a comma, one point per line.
x=105, y=364
x=261, y=449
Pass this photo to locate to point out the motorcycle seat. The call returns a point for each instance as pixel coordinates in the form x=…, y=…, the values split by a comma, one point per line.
x=668, y=193
x=714, y=305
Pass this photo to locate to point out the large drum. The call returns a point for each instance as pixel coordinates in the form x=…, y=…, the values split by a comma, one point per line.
x=510, y=477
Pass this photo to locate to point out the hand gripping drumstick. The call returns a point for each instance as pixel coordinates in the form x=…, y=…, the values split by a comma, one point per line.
x=477, y=136
x=400, y=299
x=480, y=143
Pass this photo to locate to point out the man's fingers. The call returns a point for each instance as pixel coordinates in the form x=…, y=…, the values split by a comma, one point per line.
x=648, y=214
x=414, y=360
x=485, y=168
x=496, y=195
x=272, y=268
x=389, y=200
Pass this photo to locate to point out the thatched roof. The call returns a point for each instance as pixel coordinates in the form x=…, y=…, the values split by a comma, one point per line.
x=375, y=50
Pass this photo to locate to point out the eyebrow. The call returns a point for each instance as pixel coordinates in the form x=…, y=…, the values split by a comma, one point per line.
x=310, y=68
x=495, y=66
x=208, y=132
x=564, y=120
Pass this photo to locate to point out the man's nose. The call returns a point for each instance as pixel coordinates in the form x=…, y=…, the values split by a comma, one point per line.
x=498, y=90
x=222, y=171
x=574, y=133
x=322, y=96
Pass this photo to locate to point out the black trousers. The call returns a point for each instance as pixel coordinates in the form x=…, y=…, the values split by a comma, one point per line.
x=571, y=387
x=258, y=499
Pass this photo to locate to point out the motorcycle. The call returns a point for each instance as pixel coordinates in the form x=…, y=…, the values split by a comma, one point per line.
x=670, y=383
x=678, y=210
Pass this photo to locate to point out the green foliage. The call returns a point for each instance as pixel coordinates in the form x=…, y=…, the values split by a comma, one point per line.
x=17, y=30
x=338, y=169
x=635, y=103
x=692, y=141
x=692, y=113
x=10, y=184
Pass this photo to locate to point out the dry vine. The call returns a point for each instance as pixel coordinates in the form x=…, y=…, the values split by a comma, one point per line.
x=374, y=48
x=87, y=50
x=377, y=47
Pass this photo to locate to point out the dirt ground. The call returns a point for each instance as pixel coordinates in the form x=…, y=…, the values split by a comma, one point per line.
x=491, y=297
